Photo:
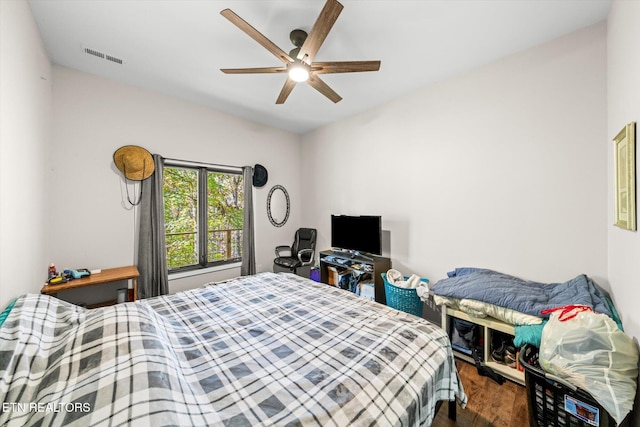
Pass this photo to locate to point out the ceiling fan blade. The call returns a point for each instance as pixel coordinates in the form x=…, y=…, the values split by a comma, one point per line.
x=321, y=28
x=344, y=67
x=256, y=35
x=323, y=88
x=286, y=90
x=254, y=70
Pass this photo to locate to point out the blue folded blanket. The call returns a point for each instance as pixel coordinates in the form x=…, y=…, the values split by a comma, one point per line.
x=524, y=296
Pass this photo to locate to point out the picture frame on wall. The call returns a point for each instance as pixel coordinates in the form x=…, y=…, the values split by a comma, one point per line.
x=624, y=166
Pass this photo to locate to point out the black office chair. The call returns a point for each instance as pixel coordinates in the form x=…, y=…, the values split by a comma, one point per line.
x=297, y=258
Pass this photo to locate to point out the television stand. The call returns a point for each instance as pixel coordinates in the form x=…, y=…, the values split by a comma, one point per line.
x=371, y=265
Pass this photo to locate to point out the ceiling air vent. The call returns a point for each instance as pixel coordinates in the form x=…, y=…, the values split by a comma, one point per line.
x=113, y=59
x=102, y=55
x=94, y=52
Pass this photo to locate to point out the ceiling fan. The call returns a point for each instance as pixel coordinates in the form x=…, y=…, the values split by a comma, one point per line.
x=298, y=63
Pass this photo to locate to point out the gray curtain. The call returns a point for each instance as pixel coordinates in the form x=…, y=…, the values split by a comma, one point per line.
x=152, y=255
x=248, y=244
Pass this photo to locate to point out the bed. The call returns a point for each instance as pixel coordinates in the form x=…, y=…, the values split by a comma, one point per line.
x=482, y=292
x=270, y=349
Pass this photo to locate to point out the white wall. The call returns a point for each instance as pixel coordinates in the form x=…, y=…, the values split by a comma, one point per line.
x=25, y=114
x=623, y=65
x=92, y=225
x=502, y=167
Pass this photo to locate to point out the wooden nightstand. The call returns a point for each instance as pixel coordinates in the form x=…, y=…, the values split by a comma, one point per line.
x=105, y=276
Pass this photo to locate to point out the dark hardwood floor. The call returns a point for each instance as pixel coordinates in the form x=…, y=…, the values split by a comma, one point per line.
x=489, y=404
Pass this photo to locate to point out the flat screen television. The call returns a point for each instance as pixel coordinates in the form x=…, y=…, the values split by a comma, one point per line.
x=357, y=233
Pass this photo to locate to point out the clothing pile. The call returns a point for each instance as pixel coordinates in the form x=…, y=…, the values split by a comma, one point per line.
x=396, y=278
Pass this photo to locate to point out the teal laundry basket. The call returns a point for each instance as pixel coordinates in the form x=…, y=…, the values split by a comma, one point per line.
x=403, y=299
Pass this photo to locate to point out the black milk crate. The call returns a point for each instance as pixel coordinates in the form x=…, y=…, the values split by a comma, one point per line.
x=555, y=403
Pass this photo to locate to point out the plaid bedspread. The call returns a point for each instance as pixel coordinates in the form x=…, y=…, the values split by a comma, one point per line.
x=266, y=350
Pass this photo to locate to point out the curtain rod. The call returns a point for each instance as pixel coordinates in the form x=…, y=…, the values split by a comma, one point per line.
x=189, y=163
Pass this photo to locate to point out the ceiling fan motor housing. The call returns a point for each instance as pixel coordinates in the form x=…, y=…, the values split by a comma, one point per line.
x=298, y=37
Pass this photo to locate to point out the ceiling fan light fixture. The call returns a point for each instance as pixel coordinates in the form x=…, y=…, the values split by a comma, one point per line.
x=299, y=72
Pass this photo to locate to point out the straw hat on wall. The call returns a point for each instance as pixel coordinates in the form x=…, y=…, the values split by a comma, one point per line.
x=134, y=162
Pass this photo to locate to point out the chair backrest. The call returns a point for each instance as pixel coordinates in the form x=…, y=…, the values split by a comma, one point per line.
x=305, y=238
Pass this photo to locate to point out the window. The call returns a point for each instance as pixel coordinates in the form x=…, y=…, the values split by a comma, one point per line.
x=203, y=215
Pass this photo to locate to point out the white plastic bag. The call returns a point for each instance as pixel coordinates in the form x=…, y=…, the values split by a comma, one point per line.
x=589, y=351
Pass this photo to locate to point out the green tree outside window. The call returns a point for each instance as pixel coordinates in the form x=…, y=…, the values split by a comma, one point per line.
x=203, y=212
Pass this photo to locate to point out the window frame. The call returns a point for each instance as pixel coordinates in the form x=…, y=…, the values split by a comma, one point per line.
x=202, y=170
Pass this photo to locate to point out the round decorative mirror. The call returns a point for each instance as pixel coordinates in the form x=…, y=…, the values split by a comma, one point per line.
x=278, y=205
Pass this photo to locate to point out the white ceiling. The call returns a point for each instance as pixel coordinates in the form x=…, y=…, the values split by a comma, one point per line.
x=177, y=47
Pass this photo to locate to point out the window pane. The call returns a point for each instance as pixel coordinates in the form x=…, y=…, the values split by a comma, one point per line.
x=180, y=190
x=225, y=194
